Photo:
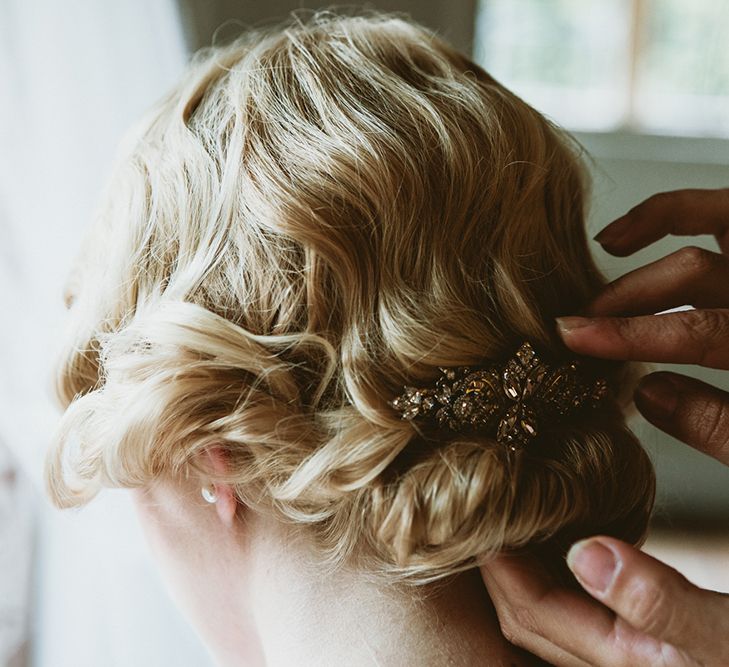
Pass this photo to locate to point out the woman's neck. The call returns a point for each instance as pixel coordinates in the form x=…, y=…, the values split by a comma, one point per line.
x=255, y=591
x=305, y=618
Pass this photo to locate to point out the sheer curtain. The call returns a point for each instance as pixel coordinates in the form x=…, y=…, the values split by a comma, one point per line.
x=73, y=76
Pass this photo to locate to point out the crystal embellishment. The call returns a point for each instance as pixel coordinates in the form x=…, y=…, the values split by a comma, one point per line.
x=508, y=401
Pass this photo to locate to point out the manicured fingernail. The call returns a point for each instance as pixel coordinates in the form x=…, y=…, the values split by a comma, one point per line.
x=612, y=232
x=594, y=564
x=567, y=324
x=657, y=396
x=605, y=236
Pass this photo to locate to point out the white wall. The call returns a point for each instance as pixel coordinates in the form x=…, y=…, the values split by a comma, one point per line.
x=73, y=76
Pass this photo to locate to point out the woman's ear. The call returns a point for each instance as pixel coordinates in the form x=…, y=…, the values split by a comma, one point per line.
x=226, y=503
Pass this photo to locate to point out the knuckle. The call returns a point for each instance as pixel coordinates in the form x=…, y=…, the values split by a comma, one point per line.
x=713, y=426
x=705, y=328
x=656, y=607
x=699, y=322
x=648, y=607
x=517, y=625
x=695, y=261
x=526, y=619
x=511, y=632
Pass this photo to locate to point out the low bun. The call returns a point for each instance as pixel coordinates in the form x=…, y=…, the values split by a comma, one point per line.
x=473, y=496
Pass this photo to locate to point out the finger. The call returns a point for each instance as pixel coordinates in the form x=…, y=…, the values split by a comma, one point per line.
x=681, y=212
x=516, y=625
x=653, y=598
x=691, y=276
x=688, y=337
x=561, y=626
x=688, y=409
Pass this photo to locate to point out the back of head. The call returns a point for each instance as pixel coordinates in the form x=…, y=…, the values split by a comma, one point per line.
x=314, y=217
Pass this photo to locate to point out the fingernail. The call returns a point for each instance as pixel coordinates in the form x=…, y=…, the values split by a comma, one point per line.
x=567, y=324
x=657, y=396
x=612, y=232
x=605, y=236
x=594, y=564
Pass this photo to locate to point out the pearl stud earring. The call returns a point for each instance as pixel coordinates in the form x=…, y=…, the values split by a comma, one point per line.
x=209, y=495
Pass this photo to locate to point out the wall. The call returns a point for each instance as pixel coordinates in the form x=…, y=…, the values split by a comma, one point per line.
x=692, y=487
x=453, y=20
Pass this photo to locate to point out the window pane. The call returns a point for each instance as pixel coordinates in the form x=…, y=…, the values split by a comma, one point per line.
x=683, y=75
x=568, y=58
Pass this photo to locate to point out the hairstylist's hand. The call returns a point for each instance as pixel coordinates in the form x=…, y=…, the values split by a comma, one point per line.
x=649, y=614
x=621, y=323
x=645, y=614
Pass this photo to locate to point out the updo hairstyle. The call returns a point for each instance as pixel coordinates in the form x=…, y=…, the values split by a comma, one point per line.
x=315, y=216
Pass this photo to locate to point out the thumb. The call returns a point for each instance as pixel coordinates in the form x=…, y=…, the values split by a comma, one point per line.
x=653, y=597
x=688, y=409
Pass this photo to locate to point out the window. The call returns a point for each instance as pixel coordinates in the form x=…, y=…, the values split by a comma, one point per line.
x=649, y=66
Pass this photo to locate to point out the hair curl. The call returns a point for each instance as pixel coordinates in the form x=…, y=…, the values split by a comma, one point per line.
x=315, y=216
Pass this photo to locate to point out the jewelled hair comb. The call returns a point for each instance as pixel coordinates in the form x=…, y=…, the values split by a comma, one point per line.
x=508, y=400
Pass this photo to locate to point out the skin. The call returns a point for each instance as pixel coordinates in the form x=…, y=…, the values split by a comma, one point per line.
x=637, y=610
x=255, y=591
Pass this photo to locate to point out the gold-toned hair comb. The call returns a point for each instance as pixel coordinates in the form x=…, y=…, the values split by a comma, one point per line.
x=508, y=400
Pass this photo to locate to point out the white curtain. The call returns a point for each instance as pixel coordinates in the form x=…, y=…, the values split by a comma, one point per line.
x=73, y=76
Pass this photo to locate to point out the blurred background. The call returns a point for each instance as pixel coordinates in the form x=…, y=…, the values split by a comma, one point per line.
x=643, y=85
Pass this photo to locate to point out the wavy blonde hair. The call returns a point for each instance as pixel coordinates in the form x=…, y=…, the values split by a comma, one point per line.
x=317, y=215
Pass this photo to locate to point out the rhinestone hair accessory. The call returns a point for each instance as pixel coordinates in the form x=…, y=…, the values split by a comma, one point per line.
x=510, y=401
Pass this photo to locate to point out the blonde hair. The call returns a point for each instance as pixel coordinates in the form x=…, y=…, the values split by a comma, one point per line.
x=317, y=215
